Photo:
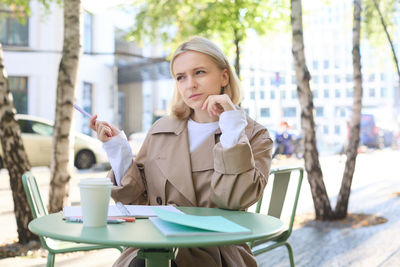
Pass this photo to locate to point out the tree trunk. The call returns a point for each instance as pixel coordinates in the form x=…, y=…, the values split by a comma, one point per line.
x=396, y=62
x=323, y=210
x=237, y=58
x=66, y=83
x=351, y=153
x=15, y=157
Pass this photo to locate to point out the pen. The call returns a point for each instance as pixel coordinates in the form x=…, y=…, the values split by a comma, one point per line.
x=78, y=108
x=79, y=220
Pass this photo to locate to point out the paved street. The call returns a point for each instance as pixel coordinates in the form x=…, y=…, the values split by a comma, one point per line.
x=375, y=184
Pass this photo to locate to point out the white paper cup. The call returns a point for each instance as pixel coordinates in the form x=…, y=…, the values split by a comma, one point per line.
x=95, y=197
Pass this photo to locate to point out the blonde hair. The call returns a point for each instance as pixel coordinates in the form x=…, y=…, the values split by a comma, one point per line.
x=177, y=106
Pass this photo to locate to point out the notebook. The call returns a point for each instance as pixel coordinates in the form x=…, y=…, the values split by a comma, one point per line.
x=179, y=224
x=120, y=210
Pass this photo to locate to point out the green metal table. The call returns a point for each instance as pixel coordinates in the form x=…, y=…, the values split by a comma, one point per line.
x=153, y=245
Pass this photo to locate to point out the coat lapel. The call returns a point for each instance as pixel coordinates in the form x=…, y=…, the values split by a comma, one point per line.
x=174, y=160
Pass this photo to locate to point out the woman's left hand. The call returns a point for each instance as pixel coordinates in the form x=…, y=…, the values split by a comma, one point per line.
x=216, y=104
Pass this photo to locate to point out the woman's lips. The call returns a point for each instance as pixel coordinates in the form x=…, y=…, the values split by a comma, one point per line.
x=195, y=96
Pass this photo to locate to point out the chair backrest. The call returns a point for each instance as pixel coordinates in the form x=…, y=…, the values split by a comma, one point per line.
x=282, y=177
x=33, y=195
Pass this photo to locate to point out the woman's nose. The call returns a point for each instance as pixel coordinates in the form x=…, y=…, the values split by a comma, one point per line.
x=191, y=82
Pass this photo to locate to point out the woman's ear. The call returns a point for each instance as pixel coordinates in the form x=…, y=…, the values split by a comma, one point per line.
x=225, y=77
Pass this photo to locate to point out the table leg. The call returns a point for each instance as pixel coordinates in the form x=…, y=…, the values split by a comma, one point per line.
x=156, y=257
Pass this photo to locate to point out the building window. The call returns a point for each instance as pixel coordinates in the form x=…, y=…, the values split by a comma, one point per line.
x=262, y=81
x=264, y=112
x=262, y=95
x=326, y=64
x=383, y=77
x=87, y=33
x=87, y=92
x=13, y=32
x=371, y=78
x=371, y=92
x=337, y=93
x=252, y=95
x=326, y=93
x=19, y=90
x=283, y=94
x=315, y=64
x=294, y=94
x=384, y=92
x=289, y=112
x=337, y=79
x=252, y=81
x=246, y=110
x=293, y=79
x=315, y=79
x=349, y=78
x=319, y=111
x=315, y=93
x=326, y=129
x=337, y=129
x=272, y=94
x=349, y=92
x=326, y=79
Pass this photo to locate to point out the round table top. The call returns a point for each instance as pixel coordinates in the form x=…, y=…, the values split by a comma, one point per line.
x=143, y=234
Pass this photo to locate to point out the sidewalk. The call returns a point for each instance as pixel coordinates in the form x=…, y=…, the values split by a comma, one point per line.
x=375, y=184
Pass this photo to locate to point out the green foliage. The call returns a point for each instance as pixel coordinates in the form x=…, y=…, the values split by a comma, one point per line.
x=21, y=8
x=372, y=26
x=226, y=21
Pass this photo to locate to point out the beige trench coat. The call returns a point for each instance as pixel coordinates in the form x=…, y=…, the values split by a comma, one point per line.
x=165, y=172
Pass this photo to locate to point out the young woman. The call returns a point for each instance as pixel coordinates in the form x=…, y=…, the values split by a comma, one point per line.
x=206, y=153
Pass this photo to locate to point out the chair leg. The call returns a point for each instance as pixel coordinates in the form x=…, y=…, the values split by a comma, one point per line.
x=290, y=251
x=50, y=259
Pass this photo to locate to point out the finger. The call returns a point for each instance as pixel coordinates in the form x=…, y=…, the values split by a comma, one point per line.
x=92, y=123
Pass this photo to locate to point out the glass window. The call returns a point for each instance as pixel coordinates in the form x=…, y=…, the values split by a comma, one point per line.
x=314, y=79
x=252, y=81
x=87, y=91
x=384, y=92
x=315, y=64
x=319, y=111
x=349, y=78
x=264, y=112
x=326, y=93
x=293, y=79
x=252, y=95
x=337, y=93
x=326, y=64
x=349, y=92
x=42, y=129
x=337, y=78
x=371, y=78
x=246, y=110
x=326, y=129
x=262, y=95
x=326, y=79
x=272, y=94
x=383, y=77
x=87, y=32
x=337, y=129
x=262, y=81
x=371, y=92
x=283, y=94
x=289, y=112
x=294, y=94
x=315, y=94
x=19, y=90
x=13, y=32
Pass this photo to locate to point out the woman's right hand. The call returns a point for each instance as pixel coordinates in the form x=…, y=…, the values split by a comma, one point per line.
x=104, y=130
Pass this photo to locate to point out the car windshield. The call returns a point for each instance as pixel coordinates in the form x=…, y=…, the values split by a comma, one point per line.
x=35, y=127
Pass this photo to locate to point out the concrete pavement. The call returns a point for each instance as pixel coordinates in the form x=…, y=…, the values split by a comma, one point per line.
x=374, y=191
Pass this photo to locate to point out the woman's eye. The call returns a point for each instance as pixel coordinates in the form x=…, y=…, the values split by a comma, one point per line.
x=178, y=78
x=200, y=72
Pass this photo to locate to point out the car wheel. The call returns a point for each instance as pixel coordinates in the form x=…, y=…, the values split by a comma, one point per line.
x=84, y=159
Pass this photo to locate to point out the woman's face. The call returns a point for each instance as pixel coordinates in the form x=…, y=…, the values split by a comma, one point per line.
x=197, y=76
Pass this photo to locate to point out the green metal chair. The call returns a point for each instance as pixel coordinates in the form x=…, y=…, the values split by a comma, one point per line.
x=282, y=176
x=38, y=209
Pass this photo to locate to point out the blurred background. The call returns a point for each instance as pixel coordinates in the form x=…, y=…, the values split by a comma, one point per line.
x=128, y=83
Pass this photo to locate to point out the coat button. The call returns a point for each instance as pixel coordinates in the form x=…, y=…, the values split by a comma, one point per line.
x=159, y=200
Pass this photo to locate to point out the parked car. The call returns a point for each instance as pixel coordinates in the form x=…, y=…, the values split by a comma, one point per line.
x=37, y=136
x=369, y=135
x=136, y=140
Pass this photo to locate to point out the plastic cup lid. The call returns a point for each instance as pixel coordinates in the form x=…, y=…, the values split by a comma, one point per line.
x=95, y=182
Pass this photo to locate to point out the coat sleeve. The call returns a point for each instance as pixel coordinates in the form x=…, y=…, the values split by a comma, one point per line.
x=241, y=172
x=133, y=184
